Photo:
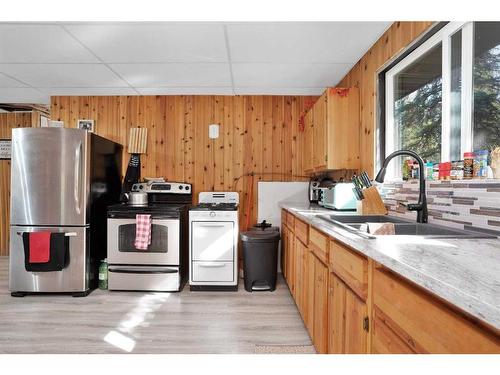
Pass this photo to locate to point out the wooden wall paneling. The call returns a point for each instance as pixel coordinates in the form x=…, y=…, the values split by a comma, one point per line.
x=267, y=139
x=9, y=121
x=239, y=159
x=219, y=149
x=188, y=140
x=277, y=138
x=228, y=135
x=287, y=138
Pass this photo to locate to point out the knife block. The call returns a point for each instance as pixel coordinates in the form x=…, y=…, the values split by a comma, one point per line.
x=372, y=204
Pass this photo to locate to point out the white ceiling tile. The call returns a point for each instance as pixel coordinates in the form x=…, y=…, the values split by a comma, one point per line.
x=288, y=75
x=63, y=75
x=325, y=42
x=9, y=82
x=87, y=91
x=185, y=90
x=153, y=42
x=278, y=90
x=174, y=74
x=25, y=43
x=23, y=95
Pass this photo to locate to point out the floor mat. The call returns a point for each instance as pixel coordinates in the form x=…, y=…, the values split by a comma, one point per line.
x=284, y=349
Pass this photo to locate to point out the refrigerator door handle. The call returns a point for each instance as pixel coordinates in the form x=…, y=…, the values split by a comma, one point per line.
x=78, y=171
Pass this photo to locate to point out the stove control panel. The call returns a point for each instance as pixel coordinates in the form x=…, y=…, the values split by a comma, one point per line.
x=162, y=187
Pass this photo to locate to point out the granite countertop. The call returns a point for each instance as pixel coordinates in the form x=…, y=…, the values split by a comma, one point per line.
x=464, y=272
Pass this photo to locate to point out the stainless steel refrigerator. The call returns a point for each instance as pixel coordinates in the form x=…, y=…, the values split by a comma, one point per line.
x=62, y=180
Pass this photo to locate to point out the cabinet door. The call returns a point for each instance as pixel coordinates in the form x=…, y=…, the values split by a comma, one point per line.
x=308, y=141
x=310, y=292
x=356, y=330
x=320, y=131
x=291, y=262
x=304, y=297
x=320, y=330
x=298, y=274
x=343, y=128
x=284, y=252
x=336, y=314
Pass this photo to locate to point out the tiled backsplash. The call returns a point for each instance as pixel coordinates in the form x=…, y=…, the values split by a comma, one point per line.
x=464, y=204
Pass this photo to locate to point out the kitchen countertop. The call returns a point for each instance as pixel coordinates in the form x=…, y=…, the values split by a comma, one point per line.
x=464, y=272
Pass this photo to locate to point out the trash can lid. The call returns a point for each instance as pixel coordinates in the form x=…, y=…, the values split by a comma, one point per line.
x=260, y=236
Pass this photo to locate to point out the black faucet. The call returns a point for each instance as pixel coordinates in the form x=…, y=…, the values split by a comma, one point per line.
x=421, y=205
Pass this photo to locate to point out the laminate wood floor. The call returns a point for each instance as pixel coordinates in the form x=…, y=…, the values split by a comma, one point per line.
x=141, y=322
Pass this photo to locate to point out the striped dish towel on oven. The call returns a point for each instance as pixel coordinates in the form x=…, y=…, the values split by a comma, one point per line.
x=142, y=231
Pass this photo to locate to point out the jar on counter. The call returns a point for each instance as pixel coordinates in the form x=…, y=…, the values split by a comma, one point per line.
x=445, y=171
x=457, y=170
x=468, y=165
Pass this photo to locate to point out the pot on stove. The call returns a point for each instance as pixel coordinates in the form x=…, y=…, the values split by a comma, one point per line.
x=137, y=199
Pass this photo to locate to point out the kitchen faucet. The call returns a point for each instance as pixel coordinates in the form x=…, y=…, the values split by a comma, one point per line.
x=421, y=205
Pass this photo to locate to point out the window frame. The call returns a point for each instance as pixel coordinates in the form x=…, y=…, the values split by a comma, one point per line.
x=443, y=36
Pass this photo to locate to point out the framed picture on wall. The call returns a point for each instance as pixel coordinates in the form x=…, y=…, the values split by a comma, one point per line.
x=5, y=149
x=87, y=125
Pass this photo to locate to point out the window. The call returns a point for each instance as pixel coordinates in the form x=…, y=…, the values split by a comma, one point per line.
x=443, y=99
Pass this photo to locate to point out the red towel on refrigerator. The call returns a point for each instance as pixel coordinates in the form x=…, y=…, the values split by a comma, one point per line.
x=39, y=247
x=142, y=231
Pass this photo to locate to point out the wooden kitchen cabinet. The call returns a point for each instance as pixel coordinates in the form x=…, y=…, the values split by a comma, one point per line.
x=347, y=319
x=307, y=157
x=331, y=133
x=320, y=132
x=408, y=319
x=320, y=322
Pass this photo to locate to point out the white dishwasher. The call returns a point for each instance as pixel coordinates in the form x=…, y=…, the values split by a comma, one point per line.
x=213, y=242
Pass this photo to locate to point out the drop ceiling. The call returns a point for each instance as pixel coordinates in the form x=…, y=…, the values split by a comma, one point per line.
x=291, y=58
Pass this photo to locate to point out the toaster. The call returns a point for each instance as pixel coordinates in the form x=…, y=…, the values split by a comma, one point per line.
x=339, y=197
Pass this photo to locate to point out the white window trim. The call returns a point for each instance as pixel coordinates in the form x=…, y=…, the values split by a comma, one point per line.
x=442, y=36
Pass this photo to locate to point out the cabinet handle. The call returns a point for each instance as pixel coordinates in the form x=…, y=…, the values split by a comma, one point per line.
x=366, y=324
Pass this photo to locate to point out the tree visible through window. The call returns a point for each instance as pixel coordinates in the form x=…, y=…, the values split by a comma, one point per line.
x=486, y=85
x=417, y=106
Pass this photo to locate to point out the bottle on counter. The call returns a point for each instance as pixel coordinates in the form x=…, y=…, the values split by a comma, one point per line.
x=103, y=275
x=429, y=170
x=481, y=164
x=468, y=165
x=406, y=170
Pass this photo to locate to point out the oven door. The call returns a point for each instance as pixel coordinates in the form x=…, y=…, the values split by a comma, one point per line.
x=163, y=250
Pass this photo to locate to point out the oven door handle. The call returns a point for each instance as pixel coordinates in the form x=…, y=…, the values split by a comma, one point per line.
x=130, y=270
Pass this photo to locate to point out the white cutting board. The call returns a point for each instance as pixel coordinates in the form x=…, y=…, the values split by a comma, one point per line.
x=270, y=194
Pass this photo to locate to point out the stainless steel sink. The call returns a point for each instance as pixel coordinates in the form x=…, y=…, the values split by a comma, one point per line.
x=402, y=227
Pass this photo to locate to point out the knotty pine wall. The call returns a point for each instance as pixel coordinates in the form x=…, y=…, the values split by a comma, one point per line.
x=257, y=134
x=8, y=121
x=364, y=75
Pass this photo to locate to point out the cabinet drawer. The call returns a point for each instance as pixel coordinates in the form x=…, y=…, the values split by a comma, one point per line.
x=427, y=324
x=213, y=272
x=350, y=267
x=319, y=244
x=301, y=231
x=283, y=217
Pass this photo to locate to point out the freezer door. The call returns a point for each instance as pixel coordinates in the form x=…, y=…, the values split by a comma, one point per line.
x=74, y=278
x=50, y=168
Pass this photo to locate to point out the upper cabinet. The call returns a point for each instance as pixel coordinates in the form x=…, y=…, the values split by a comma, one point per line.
x=331, y=132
